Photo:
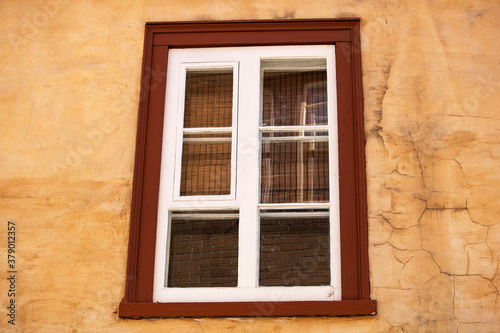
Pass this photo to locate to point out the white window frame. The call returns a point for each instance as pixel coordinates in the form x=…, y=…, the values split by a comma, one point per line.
x=246, y=192
x=185, y=66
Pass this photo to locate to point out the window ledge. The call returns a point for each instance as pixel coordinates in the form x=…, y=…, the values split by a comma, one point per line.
x=248, y=309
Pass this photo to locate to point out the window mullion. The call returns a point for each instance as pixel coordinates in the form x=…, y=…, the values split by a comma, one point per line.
x=248, y=172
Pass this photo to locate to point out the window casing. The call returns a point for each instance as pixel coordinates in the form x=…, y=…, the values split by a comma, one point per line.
x=348, y=206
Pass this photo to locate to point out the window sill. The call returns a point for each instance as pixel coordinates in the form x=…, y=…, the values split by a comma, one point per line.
x=248, y=309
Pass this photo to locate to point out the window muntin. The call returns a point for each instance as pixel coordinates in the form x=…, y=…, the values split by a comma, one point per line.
x=207, y=132
x=294, y=162
x=316, y=136
x=206, y=127
x=294, y=144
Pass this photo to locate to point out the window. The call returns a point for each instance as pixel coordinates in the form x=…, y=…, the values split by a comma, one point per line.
x=249, y=180
x=249, y=191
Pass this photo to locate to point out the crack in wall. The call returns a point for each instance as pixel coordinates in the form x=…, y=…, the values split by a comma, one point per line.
x=419, y=162
x=405, y=262
x=433, y=192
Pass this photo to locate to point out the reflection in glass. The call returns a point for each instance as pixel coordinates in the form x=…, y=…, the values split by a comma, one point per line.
x=203, y=249
x=294, y=163
x=207, y=133
x=208, y=98
x=294, y=251
x=294, y=92
x=206, y=164
x=294, y=171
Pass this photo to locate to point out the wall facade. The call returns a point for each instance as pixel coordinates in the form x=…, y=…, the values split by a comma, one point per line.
x=69, y=94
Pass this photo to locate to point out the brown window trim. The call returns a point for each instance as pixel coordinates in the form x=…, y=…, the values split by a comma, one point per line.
x=159, y=38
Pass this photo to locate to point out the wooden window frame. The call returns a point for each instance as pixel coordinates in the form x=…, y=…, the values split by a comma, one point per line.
x=159, y=38
x=249, y=128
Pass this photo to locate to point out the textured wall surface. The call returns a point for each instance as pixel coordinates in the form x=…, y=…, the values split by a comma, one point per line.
x=69, y=93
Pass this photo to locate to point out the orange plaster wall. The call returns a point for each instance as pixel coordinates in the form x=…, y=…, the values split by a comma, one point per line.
x=69, y=94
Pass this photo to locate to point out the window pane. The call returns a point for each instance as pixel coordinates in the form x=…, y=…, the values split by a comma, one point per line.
x=203, y=250
x=208, y=98
x=294, y=92
x=294, y=171
x=206, y=164
x=294, y=251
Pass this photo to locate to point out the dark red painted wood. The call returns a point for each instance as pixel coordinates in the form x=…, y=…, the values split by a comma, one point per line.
x=137, y=185
x=354, y=243
x=347, y=174
x=151, y=175
x=247, y=309
x=140, y=268
x=253, y=25
x=243, y=38
x=361, y=188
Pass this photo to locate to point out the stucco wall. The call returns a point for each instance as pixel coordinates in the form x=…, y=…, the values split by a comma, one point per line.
x=69, y=93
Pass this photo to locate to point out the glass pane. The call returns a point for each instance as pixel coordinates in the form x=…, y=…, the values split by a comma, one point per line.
x=208, y=98
x=294, y=171
x=203, y=250
x=206, y=164
x=294, y=92
x=294, y=251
